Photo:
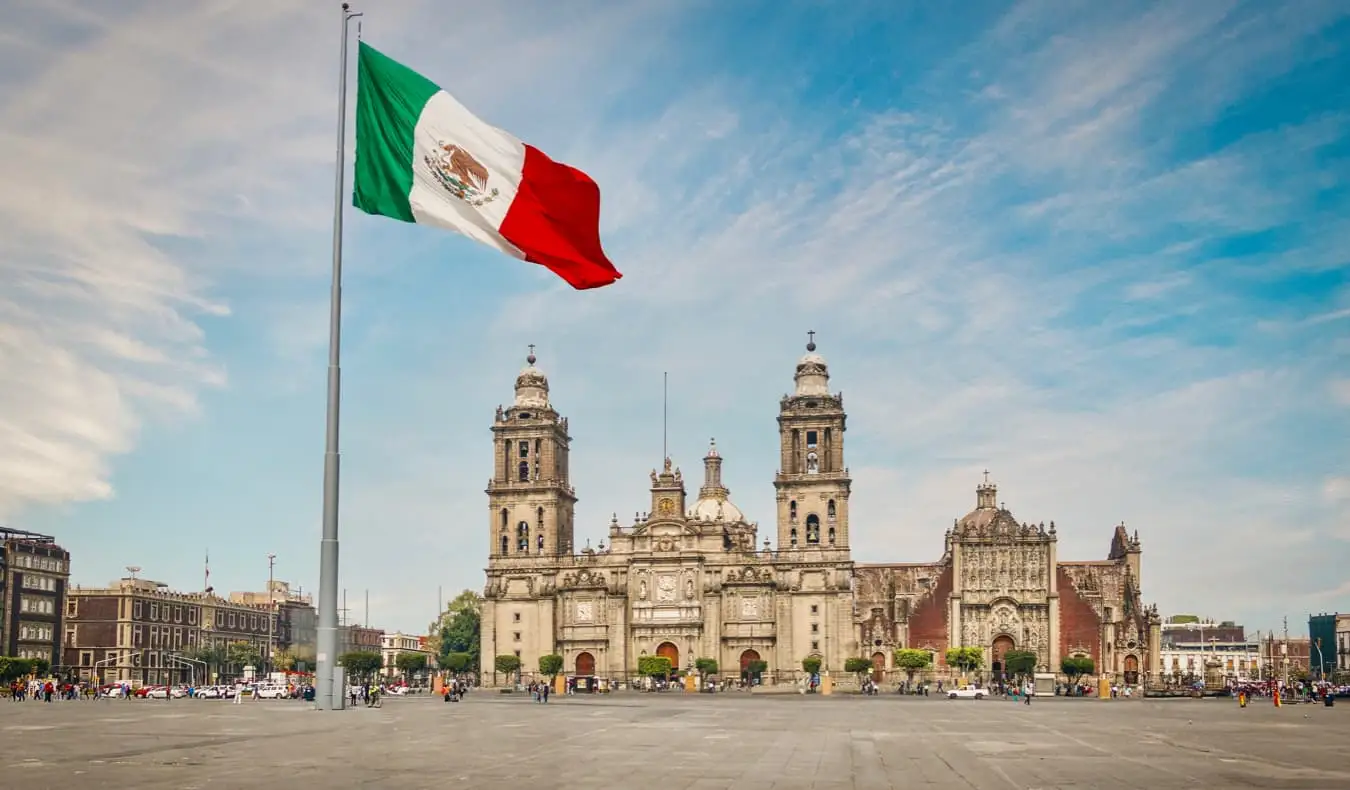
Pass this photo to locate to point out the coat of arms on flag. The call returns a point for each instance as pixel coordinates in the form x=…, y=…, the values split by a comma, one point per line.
x=460, y=174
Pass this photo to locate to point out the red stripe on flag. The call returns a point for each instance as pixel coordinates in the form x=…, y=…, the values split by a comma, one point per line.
x=555, y=221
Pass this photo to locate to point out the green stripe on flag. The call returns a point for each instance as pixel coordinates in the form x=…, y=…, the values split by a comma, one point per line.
x=389, y=100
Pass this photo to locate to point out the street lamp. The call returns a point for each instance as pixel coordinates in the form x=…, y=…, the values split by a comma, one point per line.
x=271, y=612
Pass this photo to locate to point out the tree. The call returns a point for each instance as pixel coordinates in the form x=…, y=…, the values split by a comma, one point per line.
x=1020, y=663
x=754, y=670
x=12, y=669
x=39, y=666
x=1076, y=667
x=654, y=666
x=858, y=666
x=550, y=665
x=362, y=664
x=243, y=654
x=706, y=666
x=411, y=663
x=912, y=660
x=458, y=629
x=811, y=665
x=507, y=664
x=283, y=661
x=457, y=662
x=965, y=658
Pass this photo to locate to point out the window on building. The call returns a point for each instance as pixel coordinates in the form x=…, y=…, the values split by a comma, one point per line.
x=523, y=472
x=539, y=539
x=505, y=544
x=517, y=654
x=178, y=614
x=231, y=620
x=506, y=516
x=192, y=615
x=136, y=636
x=154, y=611
x=72, y=607
x=831, y=536
x=515, y=617
x=812, y=529
x=523, y=537
x=792, y=536
x=524, y=449
x=792, y=510
x=815, y=609
x=815, y=628
x=815, y=645
x=810, y=438
x=136, y=610
x=829, y=510
x=515, y=636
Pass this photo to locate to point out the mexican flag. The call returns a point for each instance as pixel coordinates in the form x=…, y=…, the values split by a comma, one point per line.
x=422, y=157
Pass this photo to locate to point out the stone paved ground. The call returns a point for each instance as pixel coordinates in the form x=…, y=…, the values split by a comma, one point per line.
x=664, y=742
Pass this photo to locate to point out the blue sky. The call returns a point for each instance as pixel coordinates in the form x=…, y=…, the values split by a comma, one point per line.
x=1098, y=249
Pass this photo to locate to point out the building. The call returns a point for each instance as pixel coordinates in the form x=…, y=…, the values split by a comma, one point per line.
x=34, y=573
x=139, y=631
x=1283, y=654
x=1342, y=644
x=359, y=639
x=1192, y=649
x=392, y=645
x=1322, y=636
x=297, y=621
x=688, y=580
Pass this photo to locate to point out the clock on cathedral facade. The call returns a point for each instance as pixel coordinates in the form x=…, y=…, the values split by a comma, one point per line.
x=690, y=581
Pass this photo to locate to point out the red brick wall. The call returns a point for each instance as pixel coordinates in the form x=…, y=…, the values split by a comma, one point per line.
x=928, y=620
x=1078, y=623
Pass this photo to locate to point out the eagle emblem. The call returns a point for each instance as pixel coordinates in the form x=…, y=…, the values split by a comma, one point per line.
x=460, y=174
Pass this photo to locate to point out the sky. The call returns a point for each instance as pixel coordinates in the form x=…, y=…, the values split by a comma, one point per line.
x=1099, y=250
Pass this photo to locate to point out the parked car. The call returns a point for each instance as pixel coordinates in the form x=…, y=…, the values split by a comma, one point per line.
x=967, y=692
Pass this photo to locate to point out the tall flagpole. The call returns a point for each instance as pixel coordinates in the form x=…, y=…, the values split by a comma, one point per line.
x=325, y=698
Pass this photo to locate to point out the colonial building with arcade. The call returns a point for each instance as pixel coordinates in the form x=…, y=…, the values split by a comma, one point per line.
x=691, y=579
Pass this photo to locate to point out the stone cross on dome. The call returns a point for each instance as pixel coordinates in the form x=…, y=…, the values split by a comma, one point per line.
x=530, y=359
x=811, y=340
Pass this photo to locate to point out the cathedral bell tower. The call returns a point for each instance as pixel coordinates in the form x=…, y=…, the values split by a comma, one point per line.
x=812, y=481
x=530, y=498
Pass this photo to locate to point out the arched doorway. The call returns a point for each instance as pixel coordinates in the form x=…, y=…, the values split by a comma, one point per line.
x=670, y=651
x=747, y=658
x=1003, y=645
x=585, y=664
x=878, y=667
x=1131, y=670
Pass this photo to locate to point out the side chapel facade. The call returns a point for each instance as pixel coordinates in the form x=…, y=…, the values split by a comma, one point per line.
x=688, y=580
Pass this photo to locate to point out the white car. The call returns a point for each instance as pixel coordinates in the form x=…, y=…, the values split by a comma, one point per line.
x=271, y=692
x=967, y=692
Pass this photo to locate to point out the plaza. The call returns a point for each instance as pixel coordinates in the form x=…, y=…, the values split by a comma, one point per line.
x=634, y=740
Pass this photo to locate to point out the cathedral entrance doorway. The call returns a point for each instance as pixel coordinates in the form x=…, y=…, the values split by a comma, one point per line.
x=585, y=664
x=748, y=658
x=878, y=667
x=1131, y=670
x=1002, y=646
x=670, y=651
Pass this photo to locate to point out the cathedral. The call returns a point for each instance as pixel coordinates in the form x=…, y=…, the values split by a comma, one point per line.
x=689, y=580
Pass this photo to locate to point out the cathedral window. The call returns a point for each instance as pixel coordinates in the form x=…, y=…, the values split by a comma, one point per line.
x=831, y=536
x=505, y=517
x=792, y=510
x=829, y=510
x=540, y=541
x=812, y=463
x=524, y=448
x=538, y=446
x=505, y=544
x=811, y=439
x=524, y=471
x=813, y=529
x=523, y=537
x=792, y=536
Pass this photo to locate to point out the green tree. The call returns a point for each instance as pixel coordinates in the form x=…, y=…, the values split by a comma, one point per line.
x=40, y=666
x=550, y=665
x=242, y=654
x=361, y=664
x=507, y=664
x=12, y=668
x=811, y=665
x=754, y=670
x=655, y=666
x=1076, y=667
x=965, y=658
x=283, y=661
x=912, y=660
x=410, y=663
x=858, y=666
x=459, y=629
x=707, y=666
x=1020, y=663
x=457, y=662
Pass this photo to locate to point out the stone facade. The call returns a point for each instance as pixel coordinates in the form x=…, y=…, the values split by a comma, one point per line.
x=688, y=581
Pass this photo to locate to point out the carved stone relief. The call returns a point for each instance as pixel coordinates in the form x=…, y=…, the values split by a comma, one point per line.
x=665, y=589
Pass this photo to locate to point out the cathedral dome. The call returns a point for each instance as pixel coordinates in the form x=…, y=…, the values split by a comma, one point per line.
x=532, y=385
x=716, y=509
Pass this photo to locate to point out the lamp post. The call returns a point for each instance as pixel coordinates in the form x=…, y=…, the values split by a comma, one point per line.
x=271, y=613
